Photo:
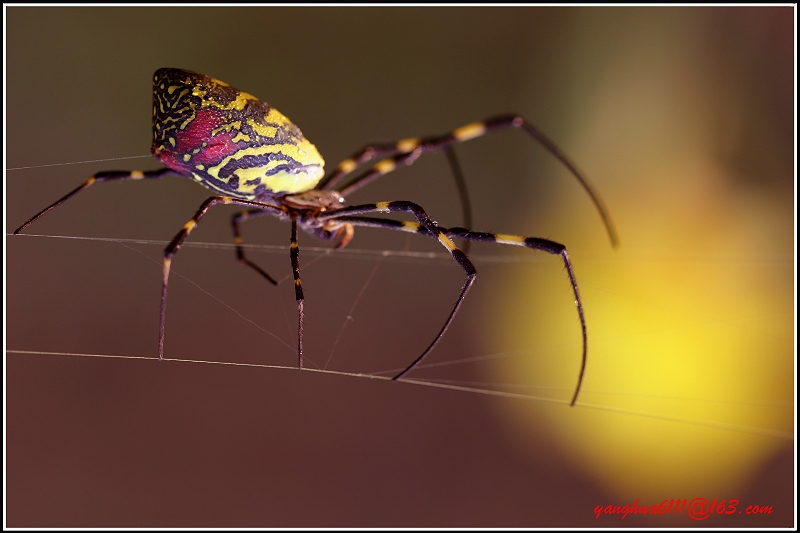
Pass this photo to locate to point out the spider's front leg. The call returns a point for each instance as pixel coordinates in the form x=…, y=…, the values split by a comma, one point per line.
x=407, y=151
x=402, y=152
x=534, y=243
x=545, y=245
x=428, y=226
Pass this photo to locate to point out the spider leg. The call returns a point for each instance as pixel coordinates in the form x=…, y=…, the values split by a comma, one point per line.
x=109, y=175
x=463, y=194
x=294, y=255
x=237, y=239
x=424, y=225
x=371, y=151
x=462, y=134
x=545, y=245
x=173, y=247
x=534, y=243
x=368, y=153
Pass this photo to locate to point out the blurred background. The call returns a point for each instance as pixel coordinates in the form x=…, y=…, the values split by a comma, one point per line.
x=683, y=119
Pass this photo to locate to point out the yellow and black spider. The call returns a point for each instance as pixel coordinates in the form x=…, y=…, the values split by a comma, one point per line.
x=252, y=155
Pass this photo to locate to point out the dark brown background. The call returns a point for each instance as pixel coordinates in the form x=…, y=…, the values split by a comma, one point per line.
x=127, y=443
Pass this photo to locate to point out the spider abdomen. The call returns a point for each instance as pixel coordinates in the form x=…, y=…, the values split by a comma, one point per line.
x=228, y=140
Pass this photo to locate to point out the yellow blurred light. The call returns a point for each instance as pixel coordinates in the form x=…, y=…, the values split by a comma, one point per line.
x=697, y=328
x=690, y=322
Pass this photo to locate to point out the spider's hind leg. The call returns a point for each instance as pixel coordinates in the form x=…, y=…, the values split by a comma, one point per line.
x=108, y=175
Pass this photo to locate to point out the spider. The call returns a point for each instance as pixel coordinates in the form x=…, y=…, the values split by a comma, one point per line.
x=252, y=156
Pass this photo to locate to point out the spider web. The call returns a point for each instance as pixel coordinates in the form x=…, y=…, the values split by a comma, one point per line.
x=325, y=363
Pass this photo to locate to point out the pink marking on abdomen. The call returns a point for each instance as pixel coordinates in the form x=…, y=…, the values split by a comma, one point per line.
x=197, y=132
